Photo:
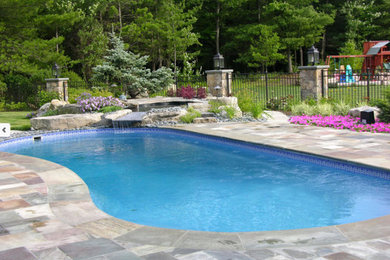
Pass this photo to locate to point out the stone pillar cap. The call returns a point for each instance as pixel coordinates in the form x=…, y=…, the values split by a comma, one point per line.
x=57, y=79
x=219, y=71
x=316, y=67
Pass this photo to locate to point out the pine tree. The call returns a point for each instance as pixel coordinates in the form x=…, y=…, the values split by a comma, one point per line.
x=129, y=70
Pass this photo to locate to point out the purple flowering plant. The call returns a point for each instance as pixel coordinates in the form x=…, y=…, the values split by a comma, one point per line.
x=341, y=122
x=89, y=103
x=31, y=115
x=83, y=96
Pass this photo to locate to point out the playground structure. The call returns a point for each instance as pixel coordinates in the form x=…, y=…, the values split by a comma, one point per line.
x=375, y=67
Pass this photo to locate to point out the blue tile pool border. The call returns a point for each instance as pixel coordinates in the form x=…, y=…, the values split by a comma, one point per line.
x=291, y=154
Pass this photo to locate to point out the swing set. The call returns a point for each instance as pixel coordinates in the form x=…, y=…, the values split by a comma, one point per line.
x=376, y=61
x=376, y=55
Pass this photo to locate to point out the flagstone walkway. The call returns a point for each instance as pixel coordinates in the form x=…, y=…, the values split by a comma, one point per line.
x=46, y=211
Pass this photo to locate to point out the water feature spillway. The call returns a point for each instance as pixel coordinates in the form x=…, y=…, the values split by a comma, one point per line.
x=128, y=120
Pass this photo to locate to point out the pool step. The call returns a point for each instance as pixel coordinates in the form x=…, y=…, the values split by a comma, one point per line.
x=128, y=120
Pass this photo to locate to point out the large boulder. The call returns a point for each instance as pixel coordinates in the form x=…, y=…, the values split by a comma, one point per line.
x=202, y=106
x=69, y=109
x=43, y=109
x=67, y=121
x=163, y=115
x=108, y=117
x=74, y=121
x=55, y=104
x=228, y=102
x=355, y=112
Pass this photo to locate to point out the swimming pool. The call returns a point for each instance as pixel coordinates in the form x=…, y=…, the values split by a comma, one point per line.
x=175, y=179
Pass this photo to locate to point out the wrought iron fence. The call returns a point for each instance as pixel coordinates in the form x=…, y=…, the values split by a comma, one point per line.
x=356, y=86
x=275, y=90
x=195, y=81
x=90, y=85
x=76, y=88
x=22, y=92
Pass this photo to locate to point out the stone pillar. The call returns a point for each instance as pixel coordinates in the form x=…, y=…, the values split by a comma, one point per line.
x=312, y=79
x=58, y=85
x=222, y=78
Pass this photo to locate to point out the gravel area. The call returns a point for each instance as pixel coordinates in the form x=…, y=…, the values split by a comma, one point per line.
x=245, y=118
x=220, y=118
x=167, y=109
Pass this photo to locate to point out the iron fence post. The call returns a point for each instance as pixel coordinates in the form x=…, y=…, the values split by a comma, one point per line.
x=227, y=85
x=322, y=84
x=368, y=84
x=266, y=85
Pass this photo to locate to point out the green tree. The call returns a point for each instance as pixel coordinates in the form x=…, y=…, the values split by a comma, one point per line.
x=161, y=30
x=350, y=49
x=298, y=24
x=214, y=18
x=93, y=45
x=129, y=70
x=25, y=57
x=257, y=45
x=58, y=18
x=265, y=49
x=22, y=50
x=180, y=33
x=382, y=19
x=359, y=17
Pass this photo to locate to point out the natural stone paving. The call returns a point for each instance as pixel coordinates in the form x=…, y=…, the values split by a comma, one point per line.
x=46, y=211
x=367, y=148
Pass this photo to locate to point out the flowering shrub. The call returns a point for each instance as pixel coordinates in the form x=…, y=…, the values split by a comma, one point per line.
x=190, y=92
x=341, y=122
x=201, y=93
x=96, y=103
x=187, y=92
x=30, y=115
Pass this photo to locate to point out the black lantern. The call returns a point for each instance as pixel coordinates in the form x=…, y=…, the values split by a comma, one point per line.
x=313, y=56
x=56, y=70
x=218, y=90
x=218, y=61
x=367, y=116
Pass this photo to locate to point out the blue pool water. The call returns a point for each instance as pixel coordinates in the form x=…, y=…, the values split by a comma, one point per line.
x=173, y=179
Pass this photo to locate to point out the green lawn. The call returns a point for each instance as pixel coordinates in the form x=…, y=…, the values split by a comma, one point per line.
x=17, y=120
x=357, y=93
x=353, y=94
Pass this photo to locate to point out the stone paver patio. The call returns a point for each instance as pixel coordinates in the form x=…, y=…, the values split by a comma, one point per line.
x=46, y=211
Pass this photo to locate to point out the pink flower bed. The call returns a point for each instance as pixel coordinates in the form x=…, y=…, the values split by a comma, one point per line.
x=341, y=122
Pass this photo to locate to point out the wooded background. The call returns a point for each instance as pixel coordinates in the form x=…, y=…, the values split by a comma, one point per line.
x=181, y=35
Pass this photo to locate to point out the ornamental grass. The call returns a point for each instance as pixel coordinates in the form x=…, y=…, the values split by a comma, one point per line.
x=341, y=122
